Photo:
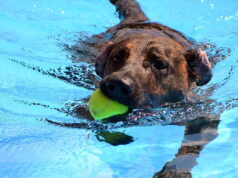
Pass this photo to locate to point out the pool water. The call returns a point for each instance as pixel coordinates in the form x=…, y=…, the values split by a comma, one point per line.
x=35, y=86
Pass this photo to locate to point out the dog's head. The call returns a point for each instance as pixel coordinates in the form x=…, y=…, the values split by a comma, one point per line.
x=140, y=72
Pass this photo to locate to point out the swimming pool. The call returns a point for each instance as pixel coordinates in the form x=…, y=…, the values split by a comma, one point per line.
x=33, y=36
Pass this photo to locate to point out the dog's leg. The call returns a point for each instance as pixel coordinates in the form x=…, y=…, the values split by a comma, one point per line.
x=129, y=11
x=198, y=133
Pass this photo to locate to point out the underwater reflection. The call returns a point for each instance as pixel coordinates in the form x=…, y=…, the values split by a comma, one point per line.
x=114, y=138
x=198, y=133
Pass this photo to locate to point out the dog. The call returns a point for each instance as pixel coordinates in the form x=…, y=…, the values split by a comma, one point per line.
x=145, y=64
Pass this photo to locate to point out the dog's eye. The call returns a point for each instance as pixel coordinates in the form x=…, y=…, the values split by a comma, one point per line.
x=115, y=59
x=157, y=62
x=160, y=64
x=121, y=56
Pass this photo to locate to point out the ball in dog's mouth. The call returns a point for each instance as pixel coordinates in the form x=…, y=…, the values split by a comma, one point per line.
x=102, y=107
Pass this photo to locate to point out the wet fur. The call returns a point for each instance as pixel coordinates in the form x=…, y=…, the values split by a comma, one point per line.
x=132, y=51
x=137, y=43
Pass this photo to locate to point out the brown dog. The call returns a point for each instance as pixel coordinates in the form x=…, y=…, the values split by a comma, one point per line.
x=147, y=64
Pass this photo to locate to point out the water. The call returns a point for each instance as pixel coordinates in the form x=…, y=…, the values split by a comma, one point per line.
x=35, y=86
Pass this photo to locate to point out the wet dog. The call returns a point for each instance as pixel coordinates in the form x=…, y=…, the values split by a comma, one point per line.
x=145, y=64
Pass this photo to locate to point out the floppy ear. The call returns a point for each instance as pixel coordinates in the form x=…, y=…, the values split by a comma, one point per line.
x=102, y=59
x=199, y=66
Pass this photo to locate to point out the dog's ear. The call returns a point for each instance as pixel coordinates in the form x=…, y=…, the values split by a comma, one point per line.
x=199, y=66
x=102, y=58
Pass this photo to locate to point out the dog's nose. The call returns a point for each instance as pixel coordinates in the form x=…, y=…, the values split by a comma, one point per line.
x=116, y=89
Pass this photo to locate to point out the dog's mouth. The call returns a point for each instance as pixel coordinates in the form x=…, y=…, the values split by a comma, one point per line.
x=133, y=101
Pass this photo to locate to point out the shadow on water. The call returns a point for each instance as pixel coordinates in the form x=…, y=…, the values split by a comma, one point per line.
x=198, y=133
x=114, y=138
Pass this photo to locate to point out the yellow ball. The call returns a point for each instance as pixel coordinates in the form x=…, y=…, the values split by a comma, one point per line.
x=101, y=107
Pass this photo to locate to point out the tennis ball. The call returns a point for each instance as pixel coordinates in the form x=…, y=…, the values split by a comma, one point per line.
x=102, y=107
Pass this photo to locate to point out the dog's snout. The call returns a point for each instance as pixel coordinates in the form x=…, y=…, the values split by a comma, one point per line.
x=118, y=89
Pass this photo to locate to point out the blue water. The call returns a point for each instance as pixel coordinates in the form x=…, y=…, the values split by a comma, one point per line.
x=32, y=34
